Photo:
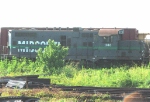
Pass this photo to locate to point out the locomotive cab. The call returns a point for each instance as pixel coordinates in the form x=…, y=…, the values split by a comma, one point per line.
x=123, y=46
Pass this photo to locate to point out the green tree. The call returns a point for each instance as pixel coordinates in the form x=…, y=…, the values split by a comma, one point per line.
x=52, y=56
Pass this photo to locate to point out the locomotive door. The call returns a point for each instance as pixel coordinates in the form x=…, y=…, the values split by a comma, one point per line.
x=63, y=40
x=71, y=43
x=87, y=45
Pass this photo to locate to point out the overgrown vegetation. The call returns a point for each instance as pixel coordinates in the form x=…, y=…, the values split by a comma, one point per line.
x=47, y=61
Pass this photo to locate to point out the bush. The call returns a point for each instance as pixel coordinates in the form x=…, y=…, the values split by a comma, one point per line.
x=52, y=56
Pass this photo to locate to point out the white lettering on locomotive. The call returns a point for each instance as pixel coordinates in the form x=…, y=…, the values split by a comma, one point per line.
x=31, y=46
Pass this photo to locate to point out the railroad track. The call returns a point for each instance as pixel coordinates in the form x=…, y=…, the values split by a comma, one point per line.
x=114, y=93
x=99, y=89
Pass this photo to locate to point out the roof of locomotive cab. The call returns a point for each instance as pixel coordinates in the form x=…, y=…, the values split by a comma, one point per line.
x=111, y=31
x=108, y=32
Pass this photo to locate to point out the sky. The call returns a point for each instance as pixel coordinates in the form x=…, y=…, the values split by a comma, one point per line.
x=76, y=13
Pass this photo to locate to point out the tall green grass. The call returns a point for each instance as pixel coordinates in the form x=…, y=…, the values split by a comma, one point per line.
x=17, y=66
x=72, y=75
x=104, y=77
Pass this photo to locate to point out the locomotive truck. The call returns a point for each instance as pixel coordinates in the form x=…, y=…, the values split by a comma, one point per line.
x=96, y=45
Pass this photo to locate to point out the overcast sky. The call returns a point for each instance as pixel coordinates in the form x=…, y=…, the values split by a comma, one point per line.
x=76, y=13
